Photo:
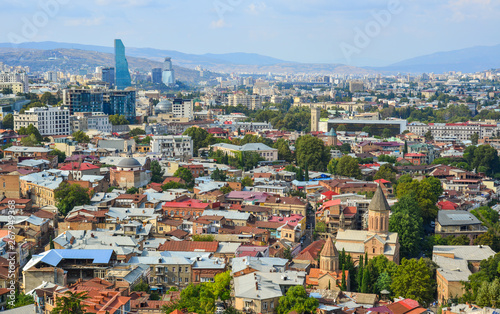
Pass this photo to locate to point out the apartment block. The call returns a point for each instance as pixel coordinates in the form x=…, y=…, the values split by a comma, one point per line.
x=172, y=145
x=48, y=120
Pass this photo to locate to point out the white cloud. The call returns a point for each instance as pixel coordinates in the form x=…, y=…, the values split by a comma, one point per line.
x=220, y=23
x=256, y=8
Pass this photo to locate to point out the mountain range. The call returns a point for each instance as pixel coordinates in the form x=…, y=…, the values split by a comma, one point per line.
x=472, y=59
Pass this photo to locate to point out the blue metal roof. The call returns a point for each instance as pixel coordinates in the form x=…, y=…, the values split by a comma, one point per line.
x=54, y=257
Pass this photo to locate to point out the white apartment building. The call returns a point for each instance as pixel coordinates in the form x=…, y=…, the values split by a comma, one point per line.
x=454, y=131
x=250, y=101
x=172, y=145
x=182, y=108
x=12, y=77
x=48, y=120
x=83, y=121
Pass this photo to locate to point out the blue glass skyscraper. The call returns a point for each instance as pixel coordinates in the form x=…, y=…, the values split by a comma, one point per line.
x=123, y=79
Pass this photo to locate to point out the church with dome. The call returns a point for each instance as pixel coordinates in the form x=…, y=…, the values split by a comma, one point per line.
x=129, y=173
x=377, y=240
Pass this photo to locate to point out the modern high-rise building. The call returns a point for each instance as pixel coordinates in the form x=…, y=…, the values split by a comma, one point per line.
x=167, y=76
x=156, y=74
x=110, y=102
x=123, y=79
x=182, y=108
x=108, y=76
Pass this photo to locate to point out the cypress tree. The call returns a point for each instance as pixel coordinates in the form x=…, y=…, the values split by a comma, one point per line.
x=343, y=285
x=359, y=274
x=306, y=177
x=366, y=281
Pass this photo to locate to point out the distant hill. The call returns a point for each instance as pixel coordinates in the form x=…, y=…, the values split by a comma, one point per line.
x=474, y=59
x=74, y=59
x=227, y=62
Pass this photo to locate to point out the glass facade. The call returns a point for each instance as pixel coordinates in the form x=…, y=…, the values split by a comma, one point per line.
x=108, y=76
x=168, y=77
x=123, y=79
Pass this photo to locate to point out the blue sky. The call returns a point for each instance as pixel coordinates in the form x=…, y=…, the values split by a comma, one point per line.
x=294, y=30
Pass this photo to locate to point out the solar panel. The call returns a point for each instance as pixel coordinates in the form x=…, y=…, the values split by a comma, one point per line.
x=459, y=217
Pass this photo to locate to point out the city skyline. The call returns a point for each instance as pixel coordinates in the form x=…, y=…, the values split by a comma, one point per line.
x=365, y=33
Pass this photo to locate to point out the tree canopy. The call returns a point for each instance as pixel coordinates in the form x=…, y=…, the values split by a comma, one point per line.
x=201, y=138
x=406, y=220
x=81, y=137
x=118, y=120
x=413, y=279
x=349, y=167
x=156, y=171
x=68, y=196
x=426, y=193
x=186, y=175
x=296, y=299
x=312, y=153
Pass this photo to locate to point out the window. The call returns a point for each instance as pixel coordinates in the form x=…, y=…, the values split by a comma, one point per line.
x=187, y=269
x=173, y=269
x=272, y=304
x=186, y=279
x=264, y=305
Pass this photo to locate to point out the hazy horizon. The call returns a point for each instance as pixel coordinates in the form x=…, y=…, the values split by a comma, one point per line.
x=365, y=33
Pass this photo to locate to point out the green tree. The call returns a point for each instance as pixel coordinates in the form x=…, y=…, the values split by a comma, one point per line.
x=61, y=156
x=218, y=175
x=474, y=138
x=414, y=280
x=203, y=238
x=247, y=181
x=70, y=302
x=8, y=121
x=31, y=129
x=406, y=220
x=387, y=172
x=428, y=136
x=386, y=133
x=118, y=120
x=225, y=189
x=284, y=152
x=48, y=99
x=365, y=283
x=132, y=190
x=483, y=158
x=136, y=131
x=20, y=300
x=142, y=286
x=287, y=254
x=6, y=91
x=345, y=148
x=384, y=282
x=349, y=167
x=311, y=151
x=172, y=185
x=426, y=193
x=186, y=175
x=320, y=227
x=156, y=171
x=30, y=141
x=296, y=300
x=201, y=138
x=81, y=137
x=368, y=129
x=222, y=286
x=68, y=196
x=51, y=243
x=341, y=128
x=332, y=166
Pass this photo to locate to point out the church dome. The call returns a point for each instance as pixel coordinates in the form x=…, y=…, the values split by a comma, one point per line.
x=129, y=163
x=164, y=106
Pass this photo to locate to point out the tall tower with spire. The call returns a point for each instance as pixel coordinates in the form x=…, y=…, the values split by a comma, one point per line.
x=378, y=213
x=329, y=257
